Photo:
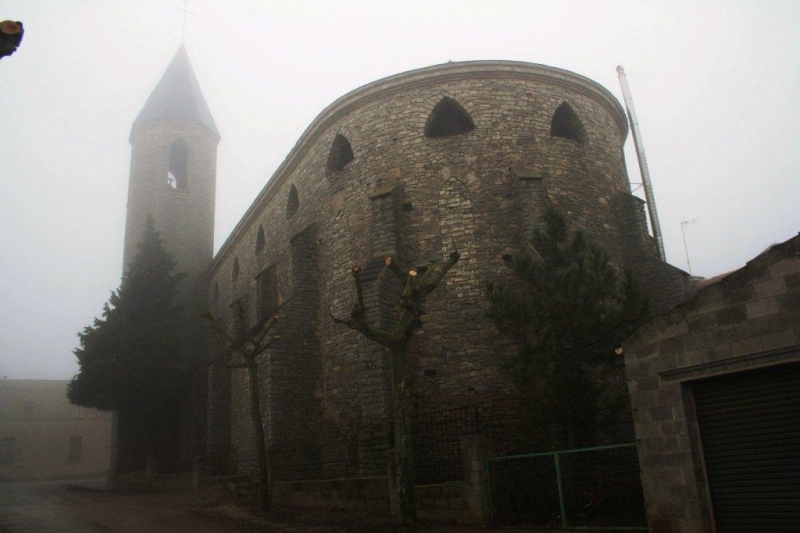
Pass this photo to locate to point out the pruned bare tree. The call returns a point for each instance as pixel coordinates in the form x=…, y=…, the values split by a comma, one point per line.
x=417, y=285
x=250, y=346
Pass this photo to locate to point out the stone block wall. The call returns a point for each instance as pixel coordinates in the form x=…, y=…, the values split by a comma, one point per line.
x=459, y=501
x=747, y=320
x=185, y=219
x=478, y=192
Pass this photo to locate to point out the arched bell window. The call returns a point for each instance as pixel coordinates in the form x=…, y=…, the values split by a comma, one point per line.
x=177, y=177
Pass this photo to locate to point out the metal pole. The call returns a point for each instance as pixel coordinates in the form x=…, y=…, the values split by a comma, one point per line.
x=488, y=466
x=637, y=141
x=686, y=248
x=561, y=504
x=684, y=224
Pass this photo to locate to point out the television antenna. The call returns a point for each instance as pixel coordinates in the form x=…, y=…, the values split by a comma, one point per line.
x=684, y=224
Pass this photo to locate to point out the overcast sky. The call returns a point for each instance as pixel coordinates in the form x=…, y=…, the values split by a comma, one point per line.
x=716, y=87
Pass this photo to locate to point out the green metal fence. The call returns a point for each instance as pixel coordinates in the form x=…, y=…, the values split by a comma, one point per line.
x=587, y=488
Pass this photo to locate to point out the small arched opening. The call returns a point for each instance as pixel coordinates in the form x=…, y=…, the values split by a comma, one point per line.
x=177, y=176
x=261, y=241
x=448, y=118
x=567, y=125
x=292, y=203
x=341, y=153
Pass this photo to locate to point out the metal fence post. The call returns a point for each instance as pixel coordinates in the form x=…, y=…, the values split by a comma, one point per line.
x=561, y=505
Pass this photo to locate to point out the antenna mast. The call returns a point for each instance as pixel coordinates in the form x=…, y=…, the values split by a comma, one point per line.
x=637, y=141
x=684, y=224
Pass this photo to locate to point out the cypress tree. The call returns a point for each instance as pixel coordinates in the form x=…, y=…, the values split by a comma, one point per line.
x=130, y=359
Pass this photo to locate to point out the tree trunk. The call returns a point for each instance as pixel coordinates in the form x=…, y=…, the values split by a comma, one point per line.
x=403, y=437
x=258, y=427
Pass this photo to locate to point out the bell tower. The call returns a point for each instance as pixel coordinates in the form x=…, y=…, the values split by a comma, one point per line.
x=174, y=169
x=173, y=179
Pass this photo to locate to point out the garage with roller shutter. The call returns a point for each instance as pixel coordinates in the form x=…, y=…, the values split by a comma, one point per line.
x=750, y=432
x=715, y=393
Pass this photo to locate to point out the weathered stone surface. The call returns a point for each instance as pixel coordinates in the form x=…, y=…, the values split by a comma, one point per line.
x=419, y=198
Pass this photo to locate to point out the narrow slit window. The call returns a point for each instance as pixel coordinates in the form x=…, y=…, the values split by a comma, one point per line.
x=239, y=318
x=567, y=125
x=261, y=241
x=341, y=153
x=235, y=273
x=292, y=203
x=448, y=118
x=178, y=164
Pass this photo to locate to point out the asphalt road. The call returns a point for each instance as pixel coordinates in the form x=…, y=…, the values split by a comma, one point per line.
x=59, y=506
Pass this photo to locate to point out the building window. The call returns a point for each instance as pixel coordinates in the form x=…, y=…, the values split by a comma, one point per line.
x=77, y=411
x=178, y=163
x=261, y=241
x=341, y=153
x=567, y=125
x=28, y=410
x=75, y=449
x=235, y=273
x=267, y=292
x=292, y=203
x=239, y=318
x=448, y=118
x=6, y=451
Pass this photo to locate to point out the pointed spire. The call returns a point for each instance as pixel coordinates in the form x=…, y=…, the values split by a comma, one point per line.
x=178, y=97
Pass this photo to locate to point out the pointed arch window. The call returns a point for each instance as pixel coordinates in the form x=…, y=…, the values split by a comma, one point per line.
x=567, y=125
x=235, y=274
x=293, y=203
x=448, y=118
x=341, y=153
x=177, y=175
x=261, y=241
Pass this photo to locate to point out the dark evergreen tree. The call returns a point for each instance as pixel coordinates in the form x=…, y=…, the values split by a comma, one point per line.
x=130, y=359
x=568, y=308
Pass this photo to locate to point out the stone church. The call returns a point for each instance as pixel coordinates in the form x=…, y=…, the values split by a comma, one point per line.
x=460, y=156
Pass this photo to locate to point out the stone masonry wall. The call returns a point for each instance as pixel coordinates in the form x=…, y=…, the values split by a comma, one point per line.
x=749, y=319
x=461, y=192
x=185, y=219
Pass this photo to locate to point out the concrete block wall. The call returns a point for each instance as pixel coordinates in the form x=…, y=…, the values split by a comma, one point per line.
x=749, y=319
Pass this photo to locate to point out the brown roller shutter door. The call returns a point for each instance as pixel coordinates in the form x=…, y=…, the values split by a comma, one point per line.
x=750, y=430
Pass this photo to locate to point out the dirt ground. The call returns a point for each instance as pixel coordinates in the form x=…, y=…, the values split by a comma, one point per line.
x=63, y=506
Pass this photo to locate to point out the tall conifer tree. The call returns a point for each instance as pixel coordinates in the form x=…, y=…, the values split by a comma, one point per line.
x=568, y=308
x=130, y=359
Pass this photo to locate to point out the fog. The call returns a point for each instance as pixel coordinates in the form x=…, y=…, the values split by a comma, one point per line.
x=716, y=87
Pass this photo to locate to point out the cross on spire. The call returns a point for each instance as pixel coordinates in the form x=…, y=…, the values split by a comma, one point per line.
x=185, y=12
